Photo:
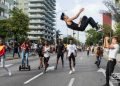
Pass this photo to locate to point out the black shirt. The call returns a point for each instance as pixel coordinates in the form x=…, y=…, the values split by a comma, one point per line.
x=39, y=48
x=60, y=48
x=73, y=26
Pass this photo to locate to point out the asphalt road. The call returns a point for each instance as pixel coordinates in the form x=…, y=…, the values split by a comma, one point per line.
x=87, y=74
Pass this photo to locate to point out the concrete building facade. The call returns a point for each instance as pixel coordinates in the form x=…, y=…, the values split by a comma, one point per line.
x=42, y=18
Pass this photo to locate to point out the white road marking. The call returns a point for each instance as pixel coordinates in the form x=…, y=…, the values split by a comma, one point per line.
x=81, y=58
x=71, y=82
x=8, y=65
x=48, y=69
x=103, y=71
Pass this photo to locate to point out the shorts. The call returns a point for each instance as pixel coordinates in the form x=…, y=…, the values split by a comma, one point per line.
x=46, y=59
x=40, y=54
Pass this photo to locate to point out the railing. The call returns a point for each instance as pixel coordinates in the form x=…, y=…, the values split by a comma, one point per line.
x=3, y=6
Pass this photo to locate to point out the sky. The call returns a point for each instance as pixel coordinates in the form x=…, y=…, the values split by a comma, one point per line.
x=93, y=9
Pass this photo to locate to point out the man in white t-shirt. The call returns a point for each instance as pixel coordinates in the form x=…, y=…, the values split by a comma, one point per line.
x=71, y=54
x=113, y=51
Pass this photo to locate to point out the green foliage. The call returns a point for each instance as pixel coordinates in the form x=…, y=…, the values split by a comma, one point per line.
x=4, y=28
x=93, y=37
x=107, y=30
x=117, y=32
x=17, y=24
x=66, y=40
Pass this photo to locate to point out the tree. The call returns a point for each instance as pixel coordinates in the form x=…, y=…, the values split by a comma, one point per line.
x=107, y=30
x=19, y=22
x=66, y=40
x=93, y=37
x=114, y=9
x=16, y=25
x=5, y=30
x=117, y=32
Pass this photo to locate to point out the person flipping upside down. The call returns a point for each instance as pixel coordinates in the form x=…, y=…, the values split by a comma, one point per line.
x=82, y=24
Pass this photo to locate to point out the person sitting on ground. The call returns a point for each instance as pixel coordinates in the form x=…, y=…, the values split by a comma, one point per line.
x=82, y=24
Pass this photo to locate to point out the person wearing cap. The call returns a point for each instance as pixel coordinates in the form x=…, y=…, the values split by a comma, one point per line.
x=2, y=56
x=82, y=24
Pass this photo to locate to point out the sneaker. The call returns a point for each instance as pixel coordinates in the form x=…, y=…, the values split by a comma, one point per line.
x=10, y=73
x=70, y=72
x=73, y=69
x=56, y=68
x=39, y=67
x=95, y=62
x=100, y=29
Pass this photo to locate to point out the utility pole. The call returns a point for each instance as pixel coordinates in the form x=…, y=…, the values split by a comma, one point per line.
x=77, y=38
x=73, y=33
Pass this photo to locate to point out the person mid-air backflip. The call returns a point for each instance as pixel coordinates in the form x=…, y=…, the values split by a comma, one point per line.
x=82, y=24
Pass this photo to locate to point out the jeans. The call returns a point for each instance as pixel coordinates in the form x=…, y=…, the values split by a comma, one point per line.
x=98, y=60
x=3, y=63
x=24, y=56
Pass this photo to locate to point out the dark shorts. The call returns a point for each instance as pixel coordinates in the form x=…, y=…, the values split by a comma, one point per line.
x=40, y=54
x=46, y=59
x=60, y=55
x=15, y=50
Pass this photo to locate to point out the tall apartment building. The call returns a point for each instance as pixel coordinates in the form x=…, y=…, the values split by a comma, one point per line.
x=3, y=9
x=23, y=4
x=42, y=18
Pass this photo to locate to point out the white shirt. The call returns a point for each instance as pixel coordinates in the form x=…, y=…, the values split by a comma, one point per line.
x=46, y=52
x=88, y=48
x=71, y=48
x=113, y=52
x=35, y=46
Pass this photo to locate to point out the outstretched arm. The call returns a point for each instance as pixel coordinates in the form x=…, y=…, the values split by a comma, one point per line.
x=77, y=15
x=108, y=45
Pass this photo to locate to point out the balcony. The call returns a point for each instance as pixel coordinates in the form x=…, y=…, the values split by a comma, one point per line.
x=36, y=16
x=48, y=6
x=37, y=27
x=3, y=6
x=36, y=0
x=50, y=17
x=36, y=32
x=51, y=21
x=33, y=37
x=36, y=5
x=52, y=4
x=36, y=11
x=37, y=21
